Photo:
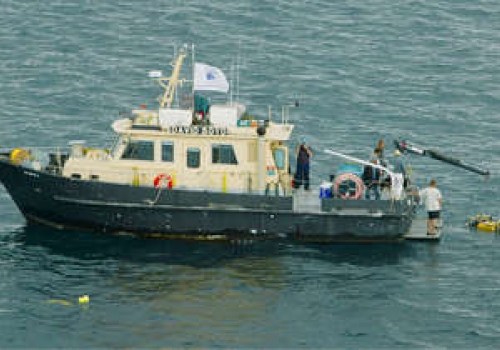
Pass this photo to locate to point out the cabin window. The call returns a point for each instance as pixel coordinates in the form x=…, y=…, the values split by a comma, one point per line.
x=139, y=150
x=223, y=154
x=193, y=157
x=167, y=152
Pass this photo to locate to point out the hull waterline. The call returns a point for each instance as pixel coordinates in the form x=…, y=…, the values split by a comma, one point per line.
x=65, y=203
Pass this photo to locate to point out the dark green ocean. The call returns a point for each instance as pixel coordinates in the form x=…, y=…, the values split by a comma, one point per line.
x=428, y=71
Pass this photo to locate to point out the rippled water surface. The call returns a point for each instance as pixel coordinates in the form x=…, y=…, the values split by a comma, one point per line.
x=426, y=70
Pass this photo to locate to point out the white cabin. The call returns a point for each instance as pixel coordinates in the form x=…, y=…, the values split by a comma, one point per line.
x=225, y=152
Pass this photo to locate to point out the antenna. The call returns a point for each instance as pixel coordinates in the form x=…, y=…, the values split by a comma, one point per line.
x=238, y=72
x=285, y=111
x=231, y=83
x=193, y=64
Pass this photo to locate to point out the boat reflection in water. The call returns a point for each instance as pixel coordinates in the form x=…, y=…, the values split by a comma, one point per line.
x=208, y=292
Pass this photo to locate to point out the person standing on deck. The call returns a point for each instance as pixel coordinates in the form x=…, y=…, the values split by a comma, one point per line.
x=304, y=154
x=381, y=147
x=378, y=153
x=399, y=166
x=433, y=200
x=399, y=178
x=371, y=179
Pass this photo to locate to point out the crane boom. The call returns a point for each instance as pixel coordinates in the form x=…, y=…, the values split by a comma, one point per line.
x=405, y=146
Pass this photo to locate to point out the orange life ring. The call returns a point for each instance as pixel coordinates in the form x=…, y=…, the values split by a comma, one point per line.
x=163, y=180
x=349, y=177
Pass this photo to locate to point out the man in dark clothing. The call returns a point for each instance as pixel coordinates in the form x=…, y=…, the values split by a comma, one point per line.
x=304, y=154
x=371, y=178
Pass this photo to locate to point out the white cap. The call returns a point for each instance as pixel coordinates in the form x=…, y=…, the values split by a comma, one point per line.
x=397, y=153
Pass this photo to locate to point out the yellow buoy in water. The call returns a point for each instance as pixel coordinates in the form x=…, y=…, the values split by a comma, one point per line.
x=488, y=226
x=84, y=299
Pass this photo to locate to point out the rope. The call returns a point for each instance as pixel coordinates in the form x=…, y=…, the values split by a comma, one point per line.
x=157, y=195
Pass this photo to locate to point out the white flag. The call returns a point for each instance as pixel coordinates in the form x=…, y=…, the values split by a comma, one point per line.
x=209, y=78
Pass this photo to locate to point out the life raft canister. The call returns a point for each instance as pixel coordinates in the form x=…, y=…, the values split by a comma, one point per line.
x=162, y=181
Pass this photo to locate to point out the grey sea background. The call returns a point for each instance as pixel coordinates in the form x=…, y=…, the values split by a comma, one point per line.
x=425, y=70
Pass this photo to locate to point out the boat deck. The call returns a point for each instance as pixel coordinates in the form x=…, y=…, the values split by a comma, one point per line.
x=306, y=201
x=418, y=231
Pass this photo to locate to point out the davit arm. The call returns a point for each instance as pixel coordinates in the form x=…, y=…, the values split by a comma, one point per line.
x=405, y=146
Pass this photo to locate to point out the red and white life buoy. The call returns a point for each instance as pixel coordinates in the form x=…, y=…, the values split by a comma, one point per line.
x=349, y=177
x=163, y=181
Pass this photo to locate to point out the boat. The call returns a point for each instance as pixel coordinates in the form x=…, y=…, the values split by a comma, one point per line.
x=192, y=169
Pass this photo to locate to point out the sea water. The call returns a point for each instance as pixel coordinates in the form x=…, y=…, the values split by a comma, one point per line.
x=427, y=71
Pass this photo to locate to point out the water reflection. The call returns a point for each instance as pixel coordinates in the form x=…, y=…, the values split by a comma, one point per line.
x=188, y=293
x=154, y=289
x=93, y=246
x=357, y=254
x=146, y=267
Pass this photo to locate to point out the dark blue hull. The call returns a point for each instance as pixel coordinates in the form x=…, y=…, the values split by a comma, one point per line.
x=60, y=202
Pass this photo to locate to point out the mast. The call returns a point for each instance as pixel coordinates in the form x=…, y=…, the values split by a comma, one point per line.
x=238, y=73
x=231, y=82
x=172, y=81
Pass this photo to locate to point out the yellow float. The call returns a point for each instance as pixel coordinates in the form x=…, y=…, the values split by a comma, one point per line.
x=84, y=299
x=19, y=155
x=488, y=226
x=484, y=222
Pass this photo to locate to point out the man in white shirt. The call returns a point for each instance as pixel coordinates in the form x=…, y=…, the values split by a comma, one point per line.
x=432, y=198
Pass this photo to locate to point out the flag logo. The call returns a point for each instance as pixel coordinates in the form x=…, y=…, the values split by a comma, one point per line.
x=209, y=78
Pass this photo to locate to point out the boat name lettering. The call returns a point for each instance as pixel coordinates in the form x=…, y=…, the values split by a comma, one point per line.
x=201, y=130
x=207, y=130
